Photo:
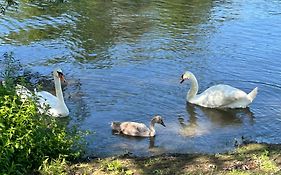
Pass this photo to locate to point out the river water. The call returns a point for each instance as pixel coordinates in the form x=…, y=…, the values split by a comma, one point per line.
x=123, y=61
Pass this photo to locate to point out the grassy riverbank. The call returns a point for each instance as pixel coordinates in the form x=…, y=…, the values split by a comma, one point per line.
x=247, y=159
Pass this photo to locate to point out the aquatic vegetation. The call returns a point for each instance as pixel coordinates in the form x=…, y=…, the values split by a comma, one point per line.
x=7, y=3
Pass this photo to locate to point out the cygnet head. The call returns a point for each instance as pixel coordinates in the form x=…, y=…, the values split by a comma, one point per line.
x=158, y=119
x=186, y=76
x=58, y=73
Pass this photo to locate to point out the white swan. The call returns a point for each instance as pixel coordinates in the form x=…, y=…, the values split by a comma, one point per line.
x=54, y=105
x=137, y=129
x=218, y=96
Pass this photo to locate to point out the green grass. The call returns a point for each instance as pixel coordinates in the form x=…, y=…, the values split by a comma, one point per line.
x=115, y=167
x=53, y=167
x=265, y=163
x=251, y=159
x=238, y=172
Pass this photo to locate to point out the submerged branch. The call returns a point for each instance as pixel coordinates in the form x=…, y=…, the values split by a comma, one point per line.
x=6, y=4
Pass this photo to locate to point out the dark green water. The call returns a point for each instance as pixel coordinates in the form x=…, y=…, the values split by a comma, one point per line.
x=123, y=61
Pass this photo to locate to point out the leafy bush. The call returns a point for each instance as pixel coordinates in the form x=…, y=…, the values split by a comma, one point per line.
x=11, y=69
x=27, y=137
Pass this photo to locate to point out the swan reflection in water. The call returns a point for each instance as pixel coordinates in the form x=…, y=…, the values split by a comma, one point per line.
x=211, y=119
x=131, y=144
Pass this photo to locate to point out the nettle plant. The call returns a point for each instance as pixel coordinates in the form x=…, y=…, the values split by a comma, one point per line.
x=27, y=138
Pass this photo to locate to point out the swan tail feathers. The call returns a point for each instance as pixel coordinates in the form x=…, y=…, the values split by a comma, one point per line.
x=116, y=126
x=252, y=95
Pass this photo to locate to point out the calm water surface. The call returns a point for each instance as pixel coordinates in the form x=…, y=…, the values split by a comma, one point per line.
x=123, y=61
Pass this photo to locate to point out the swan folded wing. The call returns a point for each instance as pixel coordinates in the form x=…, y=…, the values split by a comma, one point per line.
x=220, y=96
x=134, y=129
x=47, y=99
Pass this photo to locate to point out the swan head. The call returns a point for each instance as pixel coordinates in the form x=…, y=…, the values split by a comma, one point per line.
x=186, y=76
x=158, y=119
x=58, y=74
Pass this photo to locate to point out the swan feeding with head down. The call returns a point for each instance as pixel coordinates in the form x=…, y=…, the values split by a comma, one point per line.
x=137, y=129
x=54, y=105
x=218, y=96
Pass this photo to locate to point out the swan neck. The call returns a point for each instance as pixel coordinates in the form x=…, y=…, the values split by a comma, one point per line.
x=151, y=128
x=193, y=89
x=58, y=89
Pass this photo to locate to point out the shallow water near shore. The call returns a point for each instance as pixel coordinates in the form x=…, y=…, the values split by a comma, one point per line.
x=123, y=61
